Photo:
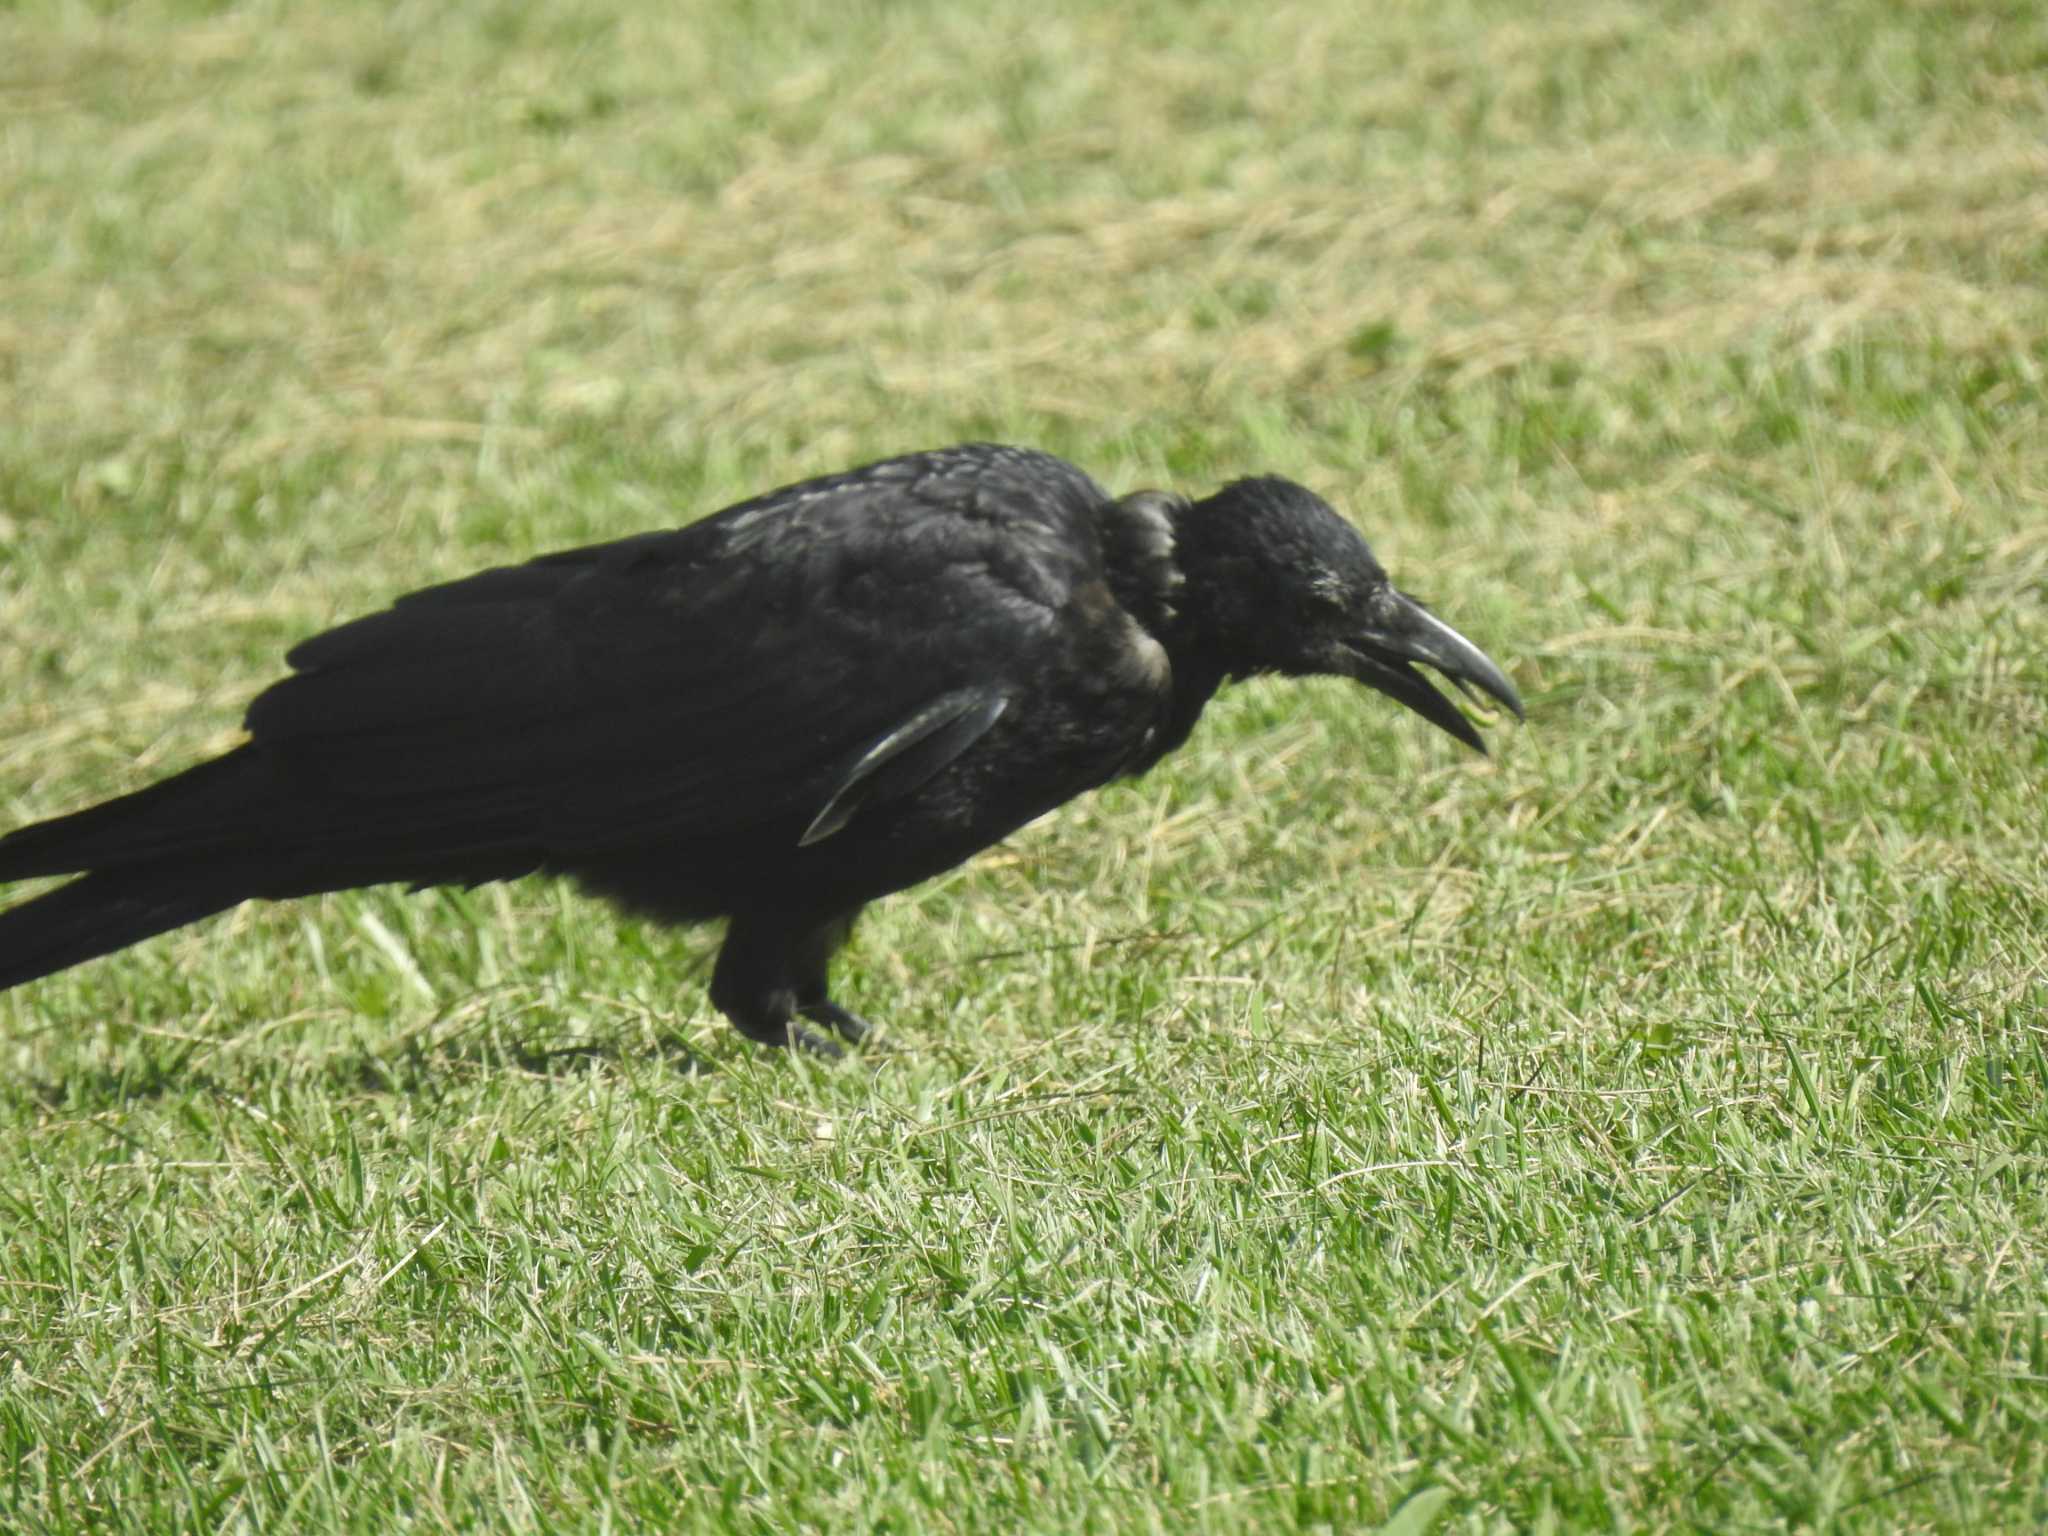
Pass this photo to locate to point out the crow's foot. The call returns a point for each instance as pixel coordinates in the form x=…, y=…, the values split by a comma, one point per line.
x=843, y=1022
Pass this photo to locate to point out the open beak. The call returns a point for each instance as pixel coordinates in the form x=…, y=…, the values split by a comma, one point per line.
x=1403, y=632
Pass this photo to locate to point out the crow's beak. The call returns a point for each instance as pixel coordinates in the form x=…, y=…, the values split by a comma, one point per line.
x=1403, y=631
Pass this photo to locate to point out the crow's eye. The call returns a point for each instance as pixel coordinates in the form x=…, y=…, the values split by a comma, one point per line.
x=1328, y=593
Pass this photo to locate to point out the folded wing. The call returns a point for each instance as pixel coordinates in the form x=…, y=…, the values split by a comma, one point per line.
x=795, y=664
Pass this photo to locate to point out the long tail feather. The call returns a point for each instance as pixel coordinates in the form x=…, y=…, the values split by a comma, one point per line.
x=100, y=913
x=197, y=812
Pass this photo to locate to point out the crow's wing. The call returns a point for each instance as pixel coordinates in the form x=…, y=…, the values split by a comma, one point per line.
x=793, y=659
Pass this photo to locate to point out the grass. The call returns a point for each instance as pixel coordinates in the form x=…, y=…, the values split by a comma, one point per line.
x=1640, y=1130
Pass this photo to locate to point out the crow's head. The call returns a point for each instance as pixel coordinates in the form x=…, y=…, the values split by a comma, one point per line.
x=1275, y=581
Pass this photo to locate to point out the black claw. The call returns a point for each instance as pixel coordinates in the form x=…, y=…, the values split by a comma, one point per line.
x=843, y=1022
x=811, y=1043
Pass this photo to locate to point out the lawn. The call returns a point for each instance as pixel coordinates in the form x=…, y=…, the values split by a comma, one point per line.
x=1644, y=1128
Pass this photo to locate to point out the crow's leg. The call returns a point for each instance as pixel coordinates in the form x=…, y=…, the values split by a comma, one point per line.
x=813, y=1000
x=771, y=973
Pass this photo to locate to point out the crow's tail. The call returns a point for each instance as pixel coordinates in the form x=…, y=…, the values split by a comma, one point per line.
x=162, y=857
x=196, y=815
x=103, y=912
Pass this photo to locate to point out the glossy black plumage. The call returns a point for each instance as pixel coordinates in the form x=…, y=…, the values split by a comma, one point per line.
x=773, y=715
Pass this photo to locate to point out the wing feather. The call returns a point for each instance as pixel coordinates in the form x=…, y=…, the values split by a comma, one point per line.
x=910, y=754
x=794, y=659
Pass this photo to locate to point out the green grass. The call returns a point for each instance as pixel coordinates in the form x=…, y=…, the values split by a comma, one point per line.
x=1644, y=1129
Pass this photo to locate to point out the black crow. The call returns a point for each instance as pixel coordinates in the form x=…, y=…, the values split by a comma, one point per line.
x=774, y=715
